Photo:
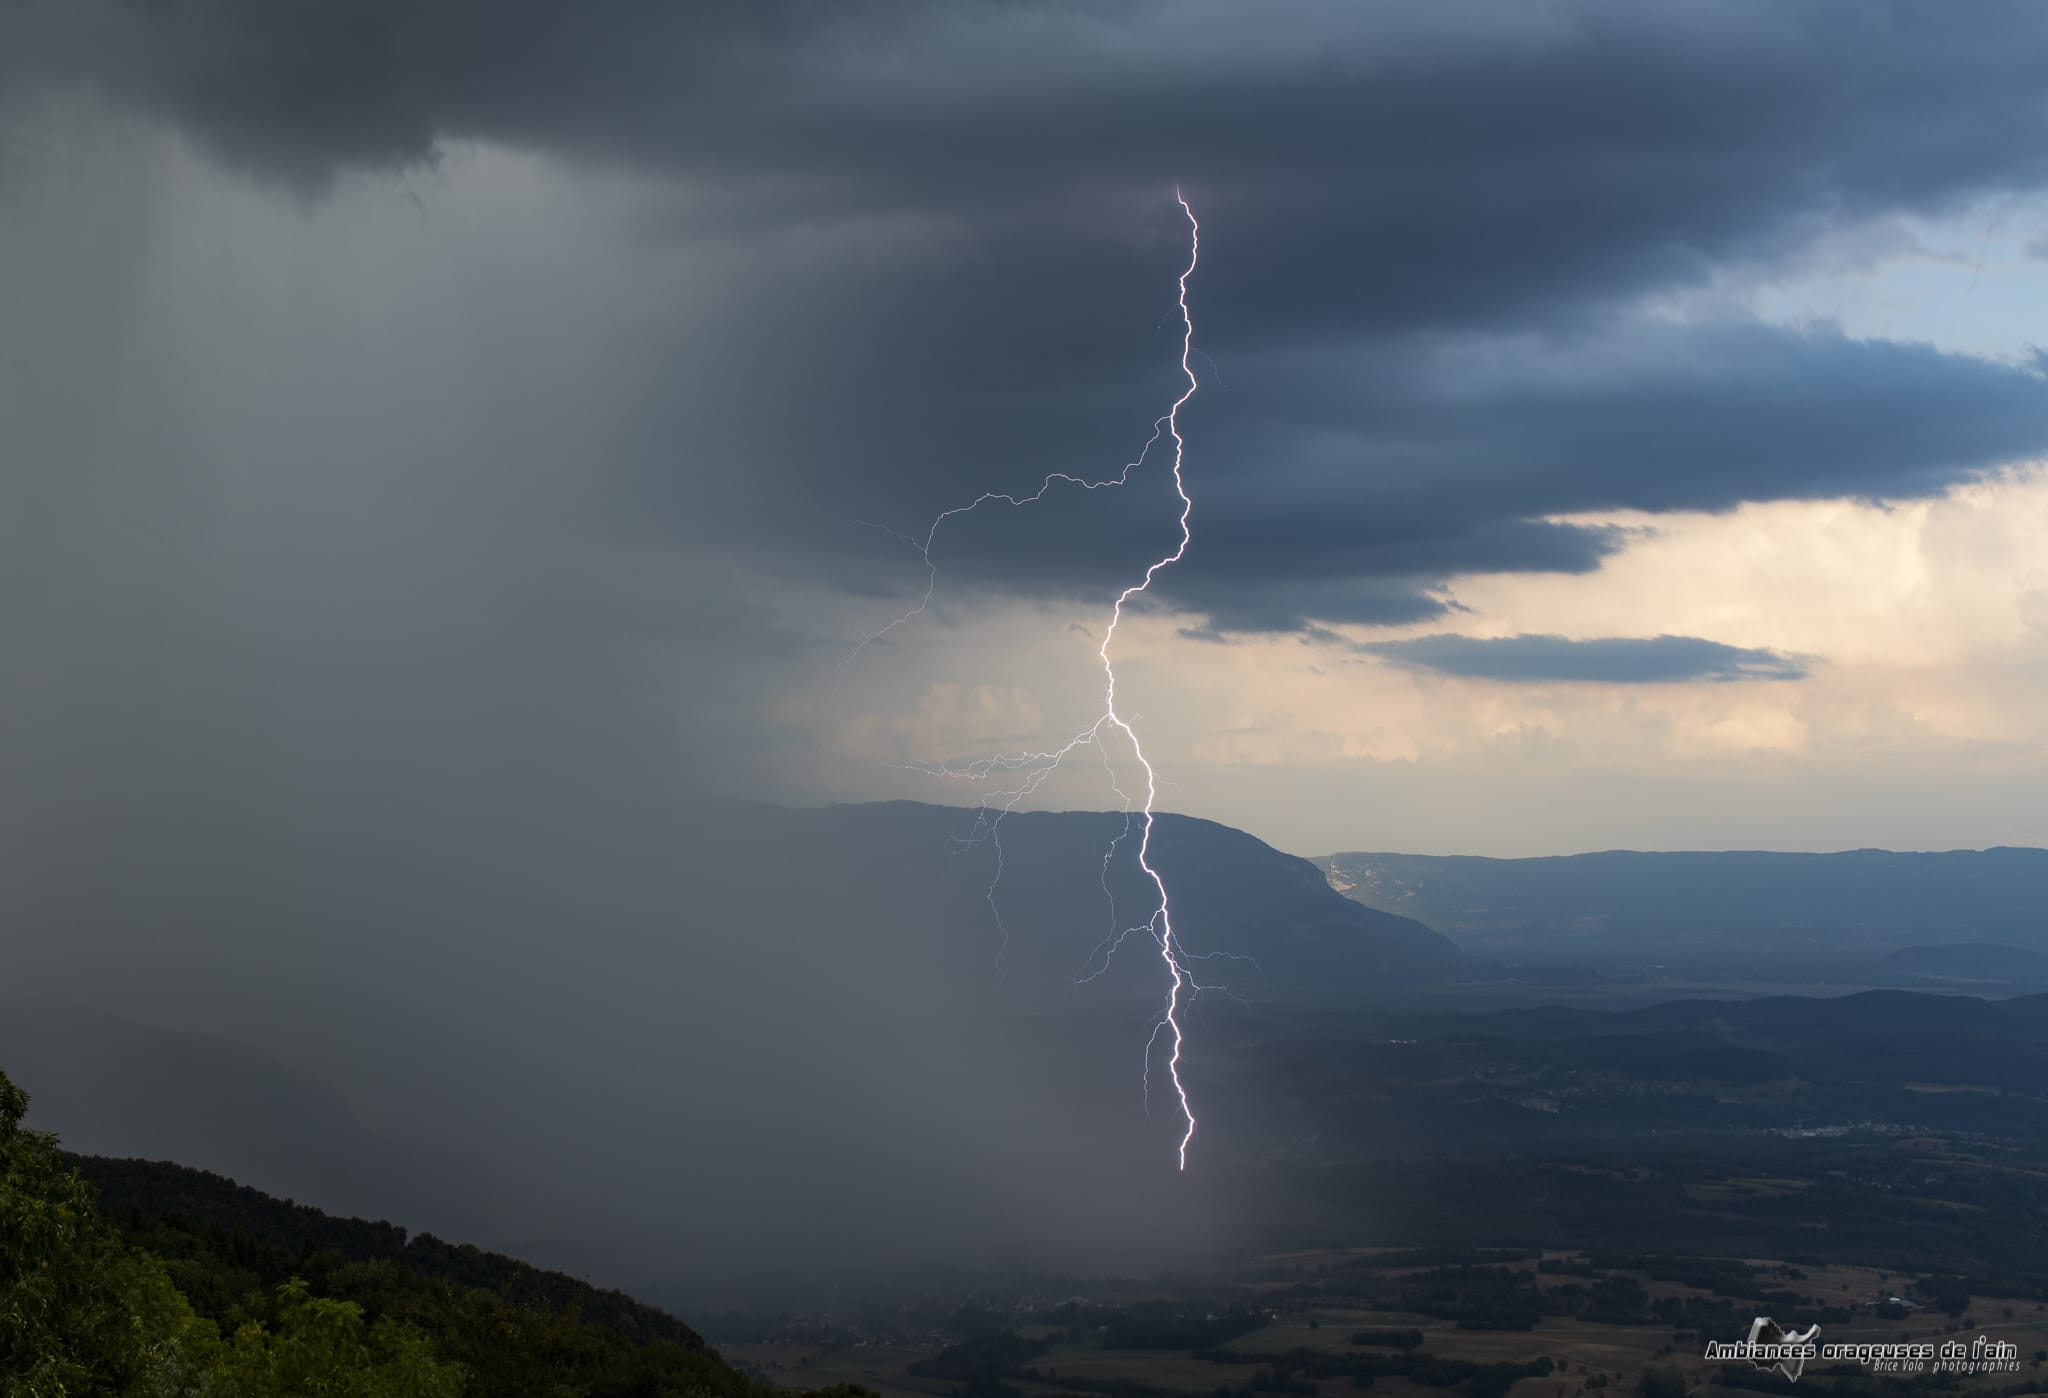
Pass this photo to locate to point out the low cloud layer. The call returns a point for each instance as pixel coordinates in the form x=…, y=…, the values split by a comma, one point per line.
x=1603, y=660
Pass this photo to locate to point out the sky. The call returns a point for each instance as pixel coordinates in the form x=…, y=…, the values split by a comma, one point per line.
x=1619, y=425
x=449, y=450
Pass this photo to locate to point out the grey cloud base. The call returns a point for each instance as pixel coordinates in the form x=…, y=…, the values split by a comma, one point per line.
x=1426, y=226
x=1604, y=660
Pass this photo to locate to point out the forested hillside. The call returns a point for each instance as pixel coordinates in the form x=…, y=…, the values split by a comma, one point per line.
x=128, y=1277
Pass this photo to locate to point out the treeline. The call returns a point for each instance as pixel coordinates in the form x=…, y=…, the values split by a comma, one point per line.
x=984, y=1366
x=1502, y=1298
x=1737, y=1286
x=1166, y=1327
x=1443, y=1257
x=1851, y=1381
x=981, y=1363
x=233, y=1232
x=1391, y=1339
x=1298, y=1371
x=189, y=1285
x=1600, y=1290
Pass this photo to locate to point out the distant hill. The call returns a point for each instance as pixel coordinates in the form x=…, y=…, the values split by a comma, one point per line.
x=1740, y=911
x=1773, y=1021
x=1972, y=962
x=1233, y=896
x=125, y=1276
x=1887, y=1063
x=187, y=1213
x=766, y=978
x=110, y=1086
x=1877, y=1036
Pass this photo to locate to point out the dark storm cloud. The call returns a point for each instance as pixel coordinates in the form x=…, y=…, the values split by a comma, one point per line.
x=1361, y=568
x=1347, y=487
x=1432, y=469
x=1606, y=660
x=1538, y=151
x=1649, y=416
x=1423, y=227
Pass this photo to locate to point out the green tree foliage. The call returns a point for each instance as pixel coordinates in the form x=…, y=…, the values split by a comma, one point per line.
x=1663, y=1381
x=519, y=1331
x=983, y=1361
x=231, y=1294
x=320, y=1346
x=79, y=1311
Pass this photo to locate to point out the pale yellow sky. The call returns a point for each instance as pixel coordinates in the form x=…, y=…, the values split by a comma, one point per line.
x=1923, y=626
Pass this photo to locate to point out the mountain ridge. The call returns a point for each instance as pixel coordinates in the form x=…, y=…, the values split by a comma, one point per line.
x=1701, y=908
x=113, y=1086
x=1233, y=895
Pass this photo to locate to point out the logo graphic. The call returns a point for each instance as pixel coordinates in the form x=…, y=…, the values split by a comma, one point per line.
x=1791, y=1348
x=1771, y=1346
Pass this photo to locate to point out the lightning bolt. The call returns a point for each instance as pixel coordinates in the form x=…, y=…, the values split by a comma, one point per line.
x=1033, y=768
x=1162, y=920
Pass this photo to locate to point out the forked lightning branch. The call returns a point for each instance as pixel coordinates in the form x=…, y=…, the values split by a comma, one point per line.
x=1023, y=773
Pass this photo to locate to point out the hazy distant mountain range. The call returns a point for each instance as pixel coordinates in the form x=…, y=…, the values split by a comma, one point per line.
x=1233, y=895
x=110, y=1086
x=1415, y=1081
x=1783, y=916
x=715, y=1002
x=841, y=1026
